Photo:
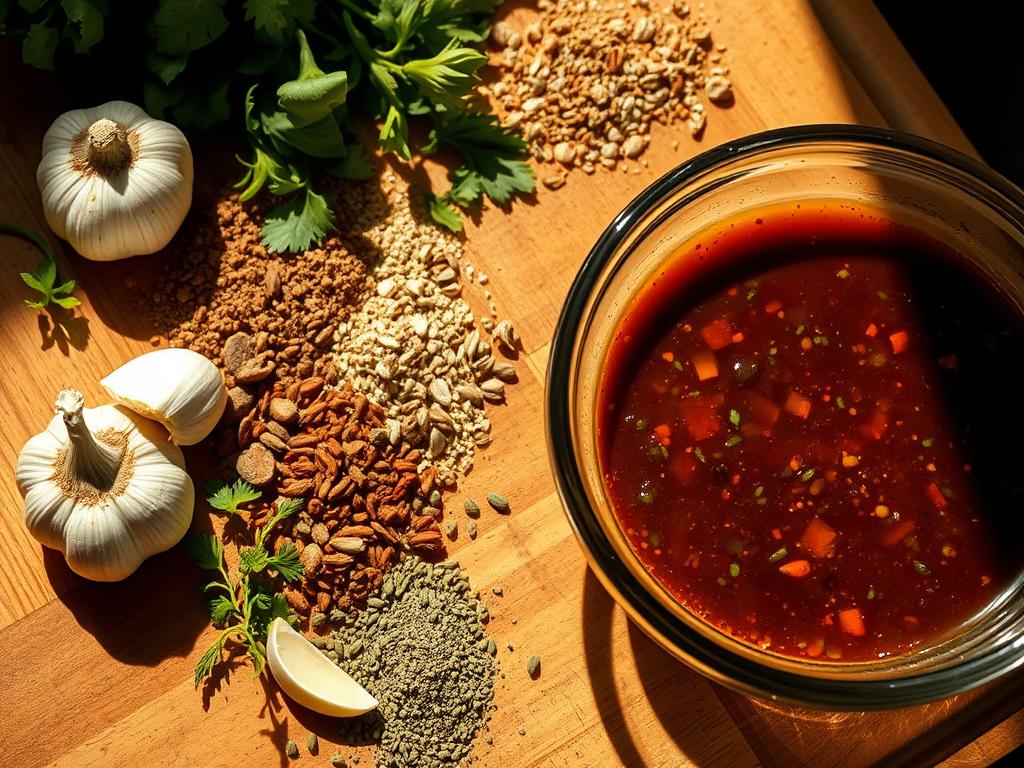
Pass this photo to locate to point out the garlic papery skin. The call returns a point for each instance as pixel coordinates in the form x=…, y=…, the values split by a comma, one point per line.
x=105, y=488
x=114, y=181
x=180, y=388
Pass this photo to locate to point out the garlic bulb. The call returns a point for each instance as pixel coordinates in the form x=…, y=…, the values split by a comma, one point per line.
x=105, y=489
x=177, y=387
x=115, y=182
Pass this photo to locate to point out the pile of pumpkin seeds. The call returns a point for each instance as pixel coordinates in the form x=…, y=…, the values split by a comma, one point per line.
x=420, y=648
x=414, y=348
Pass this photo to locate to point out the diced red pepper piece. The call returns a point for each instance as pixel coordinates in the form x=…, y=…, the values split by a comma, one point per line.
x=797, y=404
x=819, y=538
x=851, y=622
x=663, y=434
x=796, y=568
x=700, y=419
x=899, y=340
x=935, y=496
x=898, y=532
x=717, y=334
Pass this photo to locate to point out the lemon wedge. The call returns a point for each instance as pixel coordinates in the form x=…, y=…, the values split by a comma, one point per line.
x=310, y=678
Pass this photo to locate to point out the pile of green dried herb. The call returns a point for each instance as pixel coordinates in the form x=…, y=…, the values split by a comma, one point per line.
x=300, y=75
x=420, y=649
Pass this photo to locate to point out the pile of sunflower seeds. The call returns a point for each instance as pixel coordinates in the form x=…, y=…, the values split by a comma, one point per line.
x=584, y=81
x=420, y=649
x=413, y=346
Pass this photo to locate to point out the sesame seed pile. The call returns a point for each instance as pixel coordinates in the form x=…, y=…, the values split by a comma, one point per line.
x=584, y=81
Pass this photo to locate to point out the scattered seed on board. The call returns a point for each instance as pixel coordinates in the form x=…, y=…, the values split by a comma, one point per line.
x=522, y=731
x=533, y=667
x=492, y=647
x=471, y=508
x=292, y=749
x=312, y=744
x=451, y=530
x=338, y=761
x=498, y=591
x=471, y=529
x=499, y=503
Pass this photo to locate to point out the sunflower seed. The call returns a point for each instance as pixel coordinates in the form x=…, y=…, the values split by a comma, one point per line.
x=499, y=503
x=440, y=392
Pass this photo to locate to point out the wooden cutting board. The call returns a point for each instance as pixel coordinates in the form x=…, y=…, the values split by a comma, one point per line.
x=100, y=675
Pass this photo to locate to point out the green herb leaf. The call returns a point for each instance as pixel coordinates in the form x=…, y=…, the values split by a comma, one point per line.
x=183, y=26
x=491, y=155
x=286, y=563
x=229, y=497
x=448, y=77
x=252, y=559
x=314, y=93
x=40, y=46
x=85, y=24
x=443, y=213
x=297, y=224
x=276, y=18
x=221, y=609
x=205, y=549
x=167, y=68
x=206, y=663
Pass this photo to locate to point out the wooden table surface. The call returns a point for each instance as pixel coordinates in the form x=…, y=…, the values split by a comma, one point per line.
x=100, y=675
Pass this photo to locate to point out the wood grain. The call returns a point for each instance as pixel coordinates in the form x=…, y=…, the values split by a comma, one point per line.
x=100, y=675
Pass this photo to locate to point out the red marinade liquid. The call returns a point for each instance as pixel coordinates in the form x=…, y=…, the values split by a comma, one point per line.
x=814, y=445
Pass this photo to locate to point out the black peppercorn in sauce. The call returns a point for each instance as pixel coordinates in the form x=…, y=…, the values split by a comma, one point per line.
x=814, y=445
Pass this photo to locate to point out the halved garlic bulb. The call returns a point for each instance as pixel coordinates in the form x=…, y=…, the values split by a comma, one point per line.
x=180, y=388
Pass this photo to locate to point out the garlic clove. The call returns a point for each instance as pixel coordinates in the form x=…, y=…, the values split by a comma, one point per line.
x=179, y=388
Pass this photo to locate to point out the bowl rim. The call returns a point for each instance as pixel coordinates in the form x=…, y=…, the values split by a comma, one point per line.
x=701, y=652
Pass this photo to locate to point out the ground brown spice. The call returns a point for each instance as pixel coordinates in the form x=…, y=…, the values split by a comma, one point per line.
x=218, y=279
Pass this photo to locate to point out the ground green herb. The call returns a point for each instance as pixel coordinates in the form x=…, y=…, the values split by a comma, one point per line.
x=734, y=417
x=806, y=475
x=424, y=656
x=700, y=455
x=778, y=554
x=921, y=568
x=646, y=497
x=734, y=569
x=928, y=442
x=871, y=593
x=841, y=403
x=800, y=329
x=641, y=424
x=758, y=491
x=654, y=539
x=733, y=441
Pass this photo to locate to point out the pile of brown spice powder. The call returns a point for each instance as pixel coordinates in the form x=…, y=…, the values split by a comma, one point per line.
x=583, y=81
x=218, y=279
x=365, y=500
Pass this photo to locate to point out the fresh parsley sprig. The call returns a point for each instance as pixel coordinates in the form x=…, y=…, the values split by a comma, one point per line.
x=296, y=75
x=44, y=278
x=243, y=607
x=228, y=497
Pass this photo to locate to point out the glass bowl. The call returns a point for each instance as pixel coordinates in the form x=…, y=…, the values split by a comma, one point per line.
x=912, y=181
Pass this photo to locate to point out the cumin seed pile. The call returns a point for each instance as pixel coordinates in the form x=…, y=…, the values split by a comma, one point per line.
x=420, y=649
x=584, y=80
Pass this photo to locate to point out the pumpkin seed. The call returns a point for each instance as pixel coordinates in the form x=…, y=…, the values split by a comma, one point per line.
x=499, y=503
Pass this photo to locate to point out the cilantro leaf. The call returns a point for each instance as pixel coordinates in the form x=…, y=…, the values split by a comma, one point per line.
x=229, y=497
x=492, y=157
x=182, y=26
x=443, y=213
x=40, y=45
x=448, y=77
x=206, y=663
x=286, y=563
x=85, y=24
x=221, y=609
x=205, y=549
x=44, y=277
x=277, y=18
x=298, y=223
x=167, y=68
x=252, y=560
x=280, y=178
